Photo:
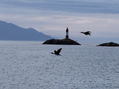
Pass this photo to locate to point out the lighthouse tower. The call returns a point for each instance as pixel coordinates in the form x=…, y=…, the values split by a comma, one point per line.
x=67, y=33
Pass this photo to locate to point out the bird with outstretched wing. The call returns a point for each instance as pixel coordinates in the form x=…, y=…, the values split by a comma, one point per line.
x=57, y=52
x=87, y=33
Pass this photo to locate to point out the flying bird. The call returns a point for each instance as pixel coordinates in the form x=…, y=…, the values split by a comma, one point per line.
x=57, y=52
x=86, y=33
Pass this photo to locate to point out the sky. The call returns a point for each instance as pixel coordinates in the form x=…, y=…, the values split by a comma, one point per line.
x=53, y=16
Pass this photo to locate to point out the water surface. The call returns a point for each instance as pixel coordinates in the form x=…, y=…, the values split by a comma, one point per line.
x=30, y=65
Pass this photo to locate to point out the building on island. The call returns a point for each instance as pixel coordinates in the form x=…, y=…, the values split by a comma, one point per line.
x=65, y=41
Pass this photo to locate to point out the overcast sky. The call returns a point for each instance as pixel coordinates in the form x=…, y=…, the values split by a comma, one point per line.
x=53, y=16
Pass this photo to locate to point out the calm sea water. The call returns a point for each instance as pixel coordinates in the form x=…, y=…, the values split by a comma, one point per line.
x=30, y=65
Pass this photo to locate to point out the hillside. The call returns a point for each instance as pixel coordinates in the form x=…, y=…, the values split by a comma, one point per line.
x=9, y=31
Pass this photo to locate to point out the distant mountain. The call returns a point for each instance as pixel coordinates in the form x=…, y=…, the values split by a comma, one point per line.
x=9, y=31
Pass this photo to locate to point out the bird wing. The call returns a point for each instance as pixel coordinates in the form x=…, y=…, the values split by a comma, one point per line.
x=59, y=50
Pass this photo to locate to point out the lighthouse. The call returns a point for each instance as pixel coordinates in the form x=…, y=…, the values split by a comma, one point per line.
x=65, y=41
x=67, y=33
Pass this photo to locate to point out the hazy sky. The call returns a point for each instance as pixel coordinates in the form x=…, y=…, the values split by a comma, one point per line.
x=53, y=16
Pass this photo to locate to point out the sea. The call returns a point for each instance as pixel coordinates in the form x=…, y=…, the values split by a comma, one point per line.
x=30, y=65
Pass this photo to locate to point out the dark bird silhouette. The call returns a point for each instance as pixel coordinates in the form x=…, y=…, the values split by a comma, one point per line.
x=57, y=52
x=86, y=33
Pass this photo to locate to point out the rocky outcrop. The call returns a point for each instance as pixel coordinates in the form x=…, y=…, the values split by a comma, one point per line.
x=109, y=44
x=61, y=42
x=65, y=41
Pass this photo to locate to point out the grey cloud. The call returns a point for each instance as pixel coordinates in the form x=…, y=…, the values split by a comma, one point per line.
x=72, y=6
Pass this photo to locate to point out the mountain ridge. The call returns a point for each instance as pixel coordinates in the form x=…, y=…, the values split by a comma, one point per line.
x=10, y=31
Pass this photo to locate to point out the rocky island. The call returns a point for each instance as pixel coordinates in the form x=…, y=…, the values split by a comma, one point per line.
x=109, y=44
x=65, y=41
